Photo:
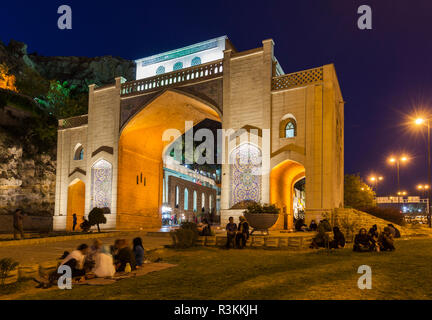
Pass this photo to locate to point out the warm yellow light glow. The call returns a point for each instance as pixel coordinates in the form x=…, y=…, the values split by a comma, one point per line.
x=392, y=160
x=7, y=81
x=419, y=121
x=380, y=178
x=362, y=189
x=372, y=178
x=404, y=158
x=419, y=187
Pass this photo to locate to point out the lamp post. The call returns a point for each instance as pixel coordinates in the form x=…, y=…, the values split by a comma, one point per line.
x=397, y=161
x=421, y=121
x=375, y=180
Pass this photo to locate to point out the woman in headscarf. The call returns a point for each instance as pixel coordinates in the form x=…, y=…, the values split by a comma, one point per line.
x=138, y=250
x=338, y=239
x=104, y=263
x=242, y=233
x=362, y=241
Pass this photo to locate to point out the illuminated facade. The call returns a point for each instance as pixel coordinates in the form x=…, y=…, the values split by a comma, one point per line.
x=113, y=156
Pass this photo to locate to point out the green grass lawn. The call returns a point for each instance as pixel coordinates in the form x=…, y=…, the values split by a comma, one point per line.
x=211, y=273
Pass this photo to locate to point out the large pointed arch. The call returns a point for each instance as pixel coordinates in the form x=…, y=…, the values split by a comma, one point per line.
x=140, y=165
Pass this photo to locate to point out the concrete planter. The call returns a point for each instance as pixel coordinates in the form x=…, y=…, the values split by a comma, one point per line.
x=261, y=221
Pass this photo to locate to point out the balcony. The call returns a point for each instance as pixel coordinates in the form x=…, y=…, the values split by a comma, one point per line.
x=198, y=73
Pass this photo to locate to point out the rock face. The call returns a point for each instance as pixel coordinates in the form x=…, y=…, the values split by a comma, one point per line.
x=80, y=71
x=25, y=183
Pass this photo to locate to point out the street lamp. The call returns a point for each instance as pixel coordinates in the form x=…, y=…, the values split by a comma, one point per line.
x=397, y=161
x=375, y=180
x=419, y=122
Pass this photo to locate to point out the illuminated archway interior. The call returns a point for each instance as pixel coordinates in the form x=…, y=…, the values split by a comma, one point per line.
x=76, y=203
x=282, y=180
x=140, y=171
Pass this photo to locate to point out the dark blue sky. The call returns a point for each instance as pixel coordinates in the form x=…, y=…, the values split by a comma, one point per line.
x=385, y=73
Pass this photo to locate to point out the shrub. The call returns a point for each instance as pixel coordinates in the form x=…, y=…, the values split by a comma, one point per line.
x=186, y=235
x=389, y=214
x=6, y=265
x=96, y=217
x=258, y=208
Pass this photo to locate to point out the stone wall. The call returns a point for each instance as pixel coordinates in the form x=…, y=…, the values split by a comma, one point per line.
x=31, y=223
x=25, y=182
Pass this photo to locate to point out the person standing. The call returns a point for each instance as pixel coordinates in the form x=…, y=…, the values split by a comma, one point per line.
x=18, y=219
x=74, y=221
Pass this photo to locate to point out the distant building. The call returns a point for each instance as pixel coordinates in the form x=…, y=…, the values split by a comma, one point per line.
x=407, y=205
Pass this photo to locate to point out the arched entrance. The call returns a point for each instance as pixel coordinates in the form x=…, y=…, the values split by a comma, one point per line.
x=283, y=177
x=76, y=203
x=141, y=149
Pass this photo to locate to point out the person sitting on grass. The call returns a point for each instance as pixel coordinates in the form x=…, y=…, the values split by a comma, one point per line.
x=138, y=250
x=231, y=229
x=75, y=260
x=338, y=239
x=124, y=257
x=242, y=233
x=395, y=232
x=322, y=238
x=385, y=240
x=104, y=263
x=363, y=242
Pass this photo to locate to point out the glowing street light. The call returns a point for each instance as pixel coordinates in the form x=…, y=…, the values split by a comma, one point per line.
x=421, y=121
x=398, y=160
x=375, y=180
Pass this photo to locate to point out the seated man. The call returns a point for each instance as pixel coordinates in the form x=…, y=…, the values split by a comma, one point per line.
x=385, y=240
x=322, y=238
x=362, y=242
x=204, y=228
x=313, y=226
x=231, y=229
x=338, y=239
x=300, y=225
x=124, y=256
x=242, y=233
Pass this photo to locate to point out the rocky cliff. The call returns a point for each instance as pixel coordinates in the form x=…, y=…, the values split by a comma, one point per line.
x=81, y=71
x=27, y=175
x=26, y=182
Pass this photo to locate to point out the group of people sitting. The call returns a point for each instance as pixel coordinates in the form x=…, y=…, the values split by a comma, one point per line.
x=299, y=225
x=100, y=261
x=374, y=241
x=238, y=233
x=322, y=239
x=363, y=241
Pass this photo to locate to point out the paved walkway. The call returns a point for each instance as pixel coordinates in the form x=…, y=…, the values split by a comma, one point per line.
x=39, y=253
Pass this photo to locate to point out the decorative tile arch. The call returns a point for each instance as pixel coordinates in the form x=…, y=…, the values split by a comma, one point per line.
x=101, y=184
x=245, y=183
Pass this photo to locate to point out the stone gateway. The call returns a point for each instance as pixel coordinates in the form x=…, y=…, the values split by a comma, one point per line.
x=115, y=157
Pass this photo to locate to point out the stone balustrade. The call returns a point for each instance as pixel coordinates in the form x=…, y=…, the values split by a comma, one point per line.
x=193, y=74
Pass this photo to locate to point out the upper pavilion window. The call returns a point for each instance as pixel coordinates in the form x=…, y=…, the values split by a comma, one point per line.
x=79, y=153
x=196, y=61
x=178, y=66
x=160, y=70
x=288, y=128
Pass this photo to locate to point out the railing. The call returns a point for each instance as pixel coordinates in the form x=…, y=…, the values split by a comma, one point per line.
x=197, y=73
x=73, y=122
x=296, y=79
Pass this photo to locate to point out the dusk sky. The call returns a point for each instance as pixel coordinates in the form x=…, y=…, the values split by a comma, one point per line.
x=385, y=73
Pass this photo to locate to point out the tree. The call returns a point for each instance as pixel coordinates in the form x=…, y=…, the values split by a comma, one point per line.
x=96, y=217
x=6, y=265
x=358, y=194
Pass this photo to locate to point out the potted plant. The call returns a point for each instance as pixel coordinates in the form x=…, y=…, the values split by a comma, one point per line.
x=261, y=217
